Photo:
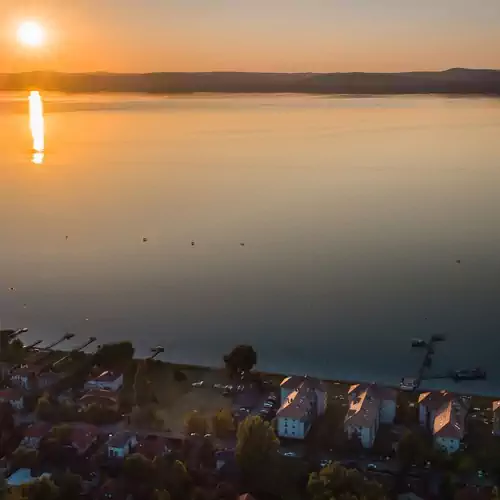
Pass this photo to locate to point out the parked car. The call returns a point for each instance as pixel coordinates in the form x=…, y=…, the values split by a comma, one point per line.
x=198, y=384
x=371, y=467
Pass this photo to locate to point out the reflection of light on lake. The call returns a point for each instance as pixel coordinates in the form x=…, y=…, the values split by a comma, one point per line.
x=37, y=158
x=37, y=126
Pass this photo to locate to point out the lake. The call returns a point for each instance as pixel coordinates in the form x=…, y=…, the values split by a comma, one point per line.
x=326, y=230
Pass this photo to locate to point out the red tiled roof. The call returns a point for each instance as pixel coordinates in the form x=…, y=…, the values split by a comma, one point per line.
x=434, y=400
x=450, y=421
x=10, y=395
x=120, y=439
x=377, y=391
x=298, y=404
x=152, y=446
x=101, y=396
x=37, y=430
x=83, y=435
x=107, y=376
x=363, y=410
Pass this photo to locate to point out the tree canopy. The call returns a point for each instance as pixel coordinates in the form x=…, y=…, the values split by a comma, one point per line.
x=222, y=423
x=256, y=449
x=195, y=423
x=43, y=489
x=113, y=355
x=336, y=482
x=241, y=359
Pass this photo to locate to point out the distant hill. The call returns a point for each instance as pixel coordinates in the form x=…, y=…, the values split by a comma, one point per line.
x=452, y=81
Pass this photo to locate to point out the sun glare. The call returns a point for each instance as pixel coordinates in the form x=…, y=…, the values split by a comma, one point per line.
x=31, y=34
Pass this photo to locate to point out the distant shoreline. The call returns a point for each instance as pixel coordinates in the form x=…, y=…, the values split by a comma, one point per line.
x=455, y=81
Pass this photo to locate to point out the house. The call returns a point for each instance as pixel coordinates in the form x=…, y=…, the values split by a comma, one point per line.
x=303, y=399
x=112, y=489
x=34, y=434
x=25, y=376
x=152, y=446
x=13, y=396
x=496, y=418
x=31, y=377
x=385, y=395
x=121, y=444
x=429, y=403
x=101, y=397
x=106, y=380
x=83, y=436
x=363, y=416
x=449, y=425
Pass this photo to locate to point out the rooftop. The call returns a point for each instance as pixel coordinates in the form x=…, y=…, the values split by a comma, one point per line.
x=37, y=430
x=120, y=439
x=10, y=394
x=375, y=390
x=450, y=420
x=495, y=405
x=434, y=400
x=107, y=376
x=363, y=409
x=298, y=404
x=294, y=381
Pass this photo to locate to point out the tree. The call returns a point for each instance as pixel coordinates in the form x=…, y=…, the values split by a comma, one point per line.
x=114, y=355
x=44, y=409
x=161, y=495
x=256, y=450
x=43, y=489
x=335, y=481
x=241, y=359
x=143, y=388
x=222, y=423
x=4, y=488
x=411, y=450
x=61, y=434
x=70, y=485
x=179, y=480
x=24, y=458
x=138, y=468
x=195, y=423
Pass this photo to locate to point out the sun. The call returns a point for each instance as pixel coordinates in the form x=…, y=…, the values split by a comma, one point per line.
x=31, y=34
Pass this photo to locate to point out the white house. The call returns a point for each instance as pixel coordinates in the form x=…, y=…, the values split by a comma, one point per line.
x=369, y=406
x=429, y=403
x=449, y=425
x=386, y=396
x=34, y=434
x=122, y=444
x=496, y=418
x=303, y=399
x=12, y=396
x=106, y=380
x=363, y=417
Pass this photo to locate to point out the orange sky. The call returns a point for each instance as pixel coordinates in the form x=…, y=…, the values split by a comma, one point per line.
x=258, y=35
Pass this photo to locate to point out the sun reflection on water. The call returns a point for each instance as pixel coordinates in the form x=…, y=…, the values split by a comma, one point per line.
x=37, y=127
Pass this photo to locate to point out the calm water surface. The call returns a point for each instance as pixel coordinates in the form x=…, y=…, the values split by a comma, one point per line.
x=352, y=211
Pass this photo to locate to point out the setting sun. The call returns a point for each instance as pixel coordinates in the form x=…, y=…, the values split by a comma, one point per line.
x=31, y=33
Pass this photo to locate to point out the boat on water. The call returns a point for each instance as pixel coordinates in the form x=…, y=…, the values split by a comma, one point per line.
x=418, y=343
x=470, y=374
x=438, y=338
x=408, y=384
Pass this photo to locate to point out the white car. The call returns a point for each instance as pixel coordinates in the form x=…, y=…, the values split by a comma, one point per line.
x=197, y=384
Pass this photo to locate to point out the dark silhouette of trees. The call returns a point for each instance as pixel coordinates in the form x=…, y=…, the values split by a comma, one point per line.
x=241, y=359
x=335, y=482
x=256, y=451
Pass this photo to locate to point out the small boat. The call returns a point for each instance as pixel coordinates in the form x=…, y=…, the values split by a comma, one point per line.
x=418, y=343
x=471, y=374
x=408, y=384
x=438, y=338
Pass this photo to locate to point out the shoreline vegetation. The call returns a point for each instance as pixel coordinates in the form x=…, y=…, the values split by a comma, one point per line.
x=199, y=371
x=455, y=81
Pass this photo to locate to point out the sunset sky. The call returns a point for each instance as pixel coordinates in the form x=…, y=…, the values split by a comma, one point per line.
x=253, y=35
